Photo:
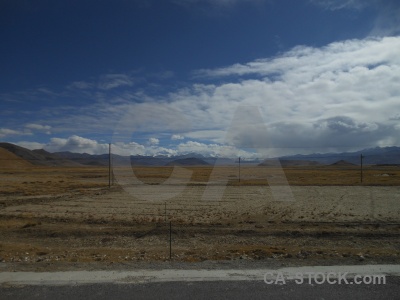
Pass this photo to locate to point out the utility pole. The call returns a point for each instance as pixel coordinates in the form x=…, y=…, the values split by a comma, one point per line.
x=239, y=168
x=361, y=171
x=170, y=240
x=165, y=211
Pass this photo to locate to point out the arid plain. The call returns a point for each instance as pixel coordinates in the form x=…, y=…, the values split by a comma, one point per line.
x=67, y=215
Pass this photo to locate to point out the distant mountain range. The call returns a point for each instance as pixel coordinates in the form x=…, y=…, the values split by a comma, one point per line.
x=373, y=156
x=289, y=162
x=160, y=160
x=190, y=161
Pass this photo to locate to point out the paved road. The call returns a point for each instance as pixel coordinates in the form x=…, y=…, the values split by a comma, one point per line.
x=206, y=290
x=203, y=284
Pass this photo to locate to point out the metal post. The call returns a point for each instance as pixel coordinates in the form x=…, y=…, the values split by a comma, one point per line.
x=165, y=211
x=109, y=165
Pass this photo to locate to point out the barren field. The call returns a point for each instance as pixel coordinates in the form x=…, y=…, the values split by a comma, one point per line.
x=50, y=215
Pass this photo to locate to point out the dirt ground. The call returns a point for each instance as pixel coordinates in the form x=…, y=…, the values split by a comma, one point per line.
x=51, y=218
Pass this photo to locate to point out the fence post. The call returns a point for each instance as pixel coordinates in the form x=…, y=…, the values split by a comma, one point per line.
x=170, y=240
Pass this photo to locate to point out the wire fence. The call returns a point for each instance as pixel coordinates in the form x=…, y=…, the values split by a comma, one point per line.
x=30, y=192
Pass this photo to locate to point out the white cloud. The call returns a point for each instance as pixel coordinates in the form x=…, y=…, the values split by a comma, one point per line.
x=387, y=22
x=76, y=144
x=131, y=148
x=155, y=150
x=342, y=4
x=112, y=81
x=354, y=80
x=45, y=128
x=303, y=64
x=214, y=150
x=11, y=132
x=38, y=127
x=30, y=145
x=154, y=141
x=342, y=96
x=79, y=144
x=176, y=137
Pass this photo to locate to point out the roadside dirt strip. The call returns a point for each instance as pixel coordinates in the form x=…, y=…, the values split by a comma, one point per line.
x=171, y=275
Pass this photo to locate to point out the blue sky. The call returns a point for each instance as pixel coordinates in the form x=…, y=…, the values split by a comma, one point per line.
x=217, y=77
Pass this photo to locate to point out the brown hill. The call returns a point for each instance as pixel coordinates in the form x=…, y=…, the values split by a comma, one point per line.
x=37, y=157
x=342, y=163
x=9, y=160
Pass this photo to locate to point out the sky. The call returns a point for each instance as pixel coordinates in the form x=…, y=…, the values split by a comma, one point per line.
x=249, y=78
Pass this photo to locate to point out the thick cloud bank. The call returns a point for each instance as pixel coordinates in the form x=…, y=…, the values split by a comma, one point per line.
x=344, y=96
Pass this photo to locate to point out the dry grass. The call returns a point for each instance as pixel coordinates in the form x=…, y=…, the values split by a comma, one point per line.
x=90, y=223
x=59, y=180
x=343, y=176
x=254, y=175
x=51, y=180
